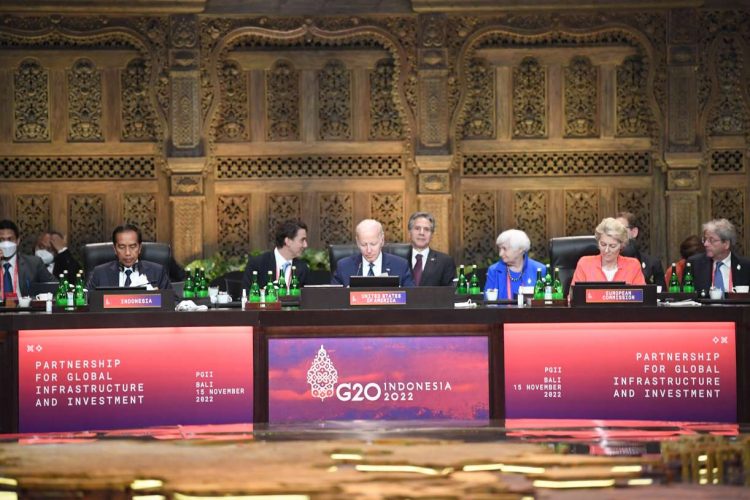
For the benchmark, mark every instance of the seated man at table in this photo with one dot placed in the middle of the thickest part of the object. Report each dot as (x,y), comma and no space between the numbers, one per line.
(128,270)
(429,267)
(18,271)
(291,241)
(372,261)
(719,267)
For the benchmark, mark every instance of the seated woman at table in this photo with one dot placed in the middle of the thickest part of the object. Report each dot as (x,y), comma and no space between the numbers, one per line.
(514,268)
(609,265)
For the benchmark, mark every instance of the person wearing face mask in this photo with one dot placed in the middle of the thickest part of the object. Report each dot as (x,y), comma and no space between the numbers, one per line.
(18,271)
(52,248)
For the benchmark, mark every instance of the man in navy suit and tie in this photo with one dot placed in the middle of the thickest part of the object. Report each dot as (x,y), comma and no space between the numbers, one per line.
(428,267)
(372,261)
(719,266)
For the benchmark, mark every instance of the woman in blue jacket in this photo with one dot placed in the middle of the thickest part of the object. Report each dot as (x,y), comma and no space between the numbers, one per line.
(515,268)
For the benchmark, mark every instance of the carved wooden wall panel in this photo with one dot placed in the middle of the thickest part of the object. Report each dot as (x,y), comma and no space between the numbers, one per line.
(234,225)
(581,99)
(336,216)
(62,168)
(479,121)
(282,102)
(385,118)
(86,222)
(530,210)
(388,208)
(729,203)
(529,100)
(729,115)
(85,102)
(290,167)
(32,218)
(140,209)
(233,116)
(638,202)
(138,115)
(334,102)
(727,161)
(282,207)
(633,113)
(557,164)
(478,227)
(31,102)
(581,212)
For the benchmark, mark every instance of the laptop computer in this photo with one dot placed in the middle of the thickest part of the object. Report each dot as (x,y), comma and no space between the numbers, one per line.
(374,281)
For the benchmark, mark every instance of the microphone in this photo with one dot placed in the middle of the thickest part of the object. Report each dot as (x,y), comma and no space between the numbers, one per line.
(359,268)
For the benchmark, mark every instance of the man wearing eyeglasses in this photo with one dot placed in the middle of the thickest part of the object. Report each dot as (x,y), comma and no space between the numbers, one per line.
(653,272)
(719,267)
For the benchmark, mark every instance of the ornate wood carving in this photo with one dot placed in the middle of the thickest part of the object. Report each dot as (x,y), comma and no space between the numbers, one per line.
(185,114)
(282,207)
(433,118)
(186,185)
(85,221)
(385,119)
(581,99)
(729,203)
(727,161)
(140,209)
(434,183)
(479,122)
(138,115)
(183,31)
(634,117)
(187,228)
(478,227)
(729,115)
(282,102)
(336,218)
(638,202)
(683,179)
(233,116)
(334,102)
(530,213)
(308,166)
(85,102)
(60,168)
(32,217)
(580,163)
(31,102)
(234,225)
(388,208)
(581,212)
(529,100)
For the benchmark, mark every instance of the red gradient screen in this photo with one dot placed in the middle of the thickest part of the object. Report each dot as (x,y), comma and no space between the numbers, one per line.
(112,378)
(646,371)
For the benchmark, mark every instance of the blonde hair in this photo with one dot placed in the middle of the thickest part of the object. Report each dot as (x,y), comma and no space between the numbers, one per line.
(612,228)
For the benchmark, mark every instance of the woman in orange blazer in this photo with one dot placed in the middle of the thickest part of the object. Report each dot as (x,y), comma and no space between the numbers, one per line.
(609,265)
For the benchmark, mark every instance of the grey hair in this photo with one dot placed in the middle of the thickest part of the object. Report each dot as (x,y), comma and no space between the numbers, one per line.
(370,222)
(723,229)
(613,228)
(515,238)
(421,215)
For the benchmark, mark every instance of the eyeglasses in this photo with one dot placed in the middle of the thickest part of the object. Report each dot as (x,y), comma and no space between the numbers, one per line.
(611,246)
(712,241)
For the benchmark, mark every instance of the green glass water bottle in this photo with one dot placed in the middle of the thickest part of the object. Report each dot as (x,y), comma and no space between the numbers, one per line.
(539,286)
(201,290)
(548,284)
(688,283)
(79,295)
(294,288)
(474,282)
(254,289)
(557,290)
(282,283)
(462,287)
(271,295)
(188,291)
(674,281)
(61,294)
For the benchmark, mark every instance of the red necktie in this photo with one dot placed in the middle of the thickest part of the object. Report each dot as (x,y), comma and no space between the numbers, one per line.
(417,271)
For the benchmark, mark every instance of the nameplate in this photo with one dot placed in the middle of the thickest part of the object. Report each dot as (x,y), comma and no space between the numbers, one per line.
(377,298)
(131,301)
(614,296)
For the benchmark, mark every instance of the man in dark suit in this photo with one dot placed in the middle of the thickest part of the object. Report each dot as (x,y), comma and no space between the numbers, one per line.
(18,271)
(428,267)
(52,248)
(128,270)
(372,261)
(290,240)
(719,267)
(652,269)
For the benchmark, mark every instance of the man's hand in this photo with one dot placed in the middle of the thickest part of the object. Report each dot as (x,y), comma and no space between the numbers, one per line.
(58,242)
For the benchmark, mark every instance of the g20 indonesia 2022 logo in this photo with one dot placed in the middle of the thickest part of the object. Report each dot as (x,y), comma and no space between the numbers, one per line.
(323,379)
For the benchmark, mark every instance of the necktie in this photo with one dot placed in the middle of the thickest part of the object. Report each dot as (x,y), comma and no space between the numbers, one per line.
(7,279)
(371,272)
(128,272)
(718,278)
(284,267)
(417,269)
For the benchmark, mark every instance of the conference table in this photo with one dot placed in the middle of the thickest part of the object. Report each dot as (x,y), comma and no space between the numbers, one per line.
(73,371)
